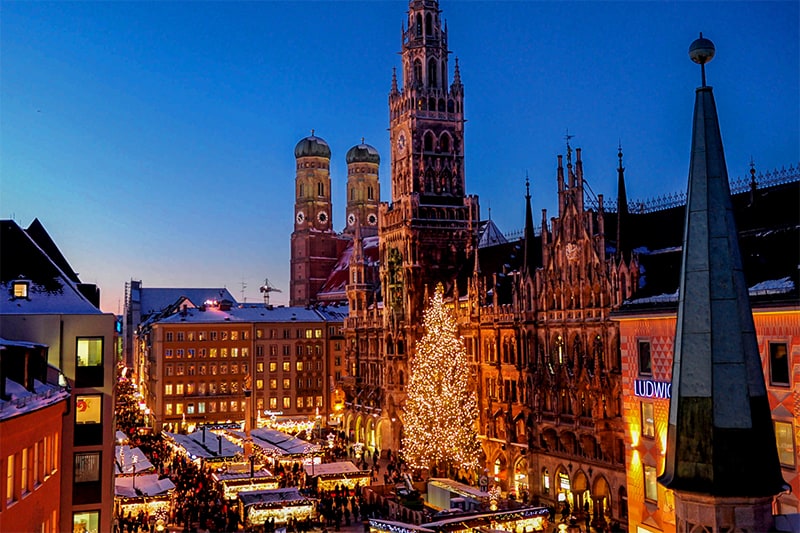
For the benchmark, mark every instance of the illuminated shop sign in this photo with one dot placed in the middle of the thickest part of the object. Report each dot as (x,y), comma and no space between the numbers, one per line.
(647,388)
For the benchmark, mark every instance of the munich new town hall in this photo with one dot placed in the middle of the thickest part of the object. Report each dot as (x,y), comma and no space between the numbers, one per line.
(543,317)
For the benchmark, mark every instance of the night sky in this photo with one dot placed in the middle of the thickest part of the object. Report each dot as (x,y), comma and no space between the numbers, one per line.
(155,140)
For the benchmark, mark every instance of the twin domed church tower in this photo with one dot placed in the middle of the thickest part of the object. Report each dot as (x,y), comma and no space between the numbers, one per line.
(316,246)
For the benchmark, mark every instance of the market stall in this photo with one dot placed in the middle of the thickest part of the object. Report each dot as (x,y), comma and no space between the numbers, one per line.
(519,520)
(205,446)
(144,492)
(277,505)
(234,482)
(343,474)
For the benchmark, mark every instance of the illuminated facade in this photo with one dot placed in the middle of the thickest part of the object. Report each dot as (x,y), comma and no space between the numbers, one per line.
(54,309)
(201,359)
(647,338)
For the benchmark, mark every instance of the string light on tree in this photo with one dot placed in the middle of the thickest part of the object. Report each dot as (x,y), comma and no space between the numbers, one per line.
(440,410)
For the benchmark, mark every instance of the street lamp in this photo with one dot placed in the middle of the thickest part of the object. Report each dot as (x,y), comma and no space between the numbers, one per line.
(133,461)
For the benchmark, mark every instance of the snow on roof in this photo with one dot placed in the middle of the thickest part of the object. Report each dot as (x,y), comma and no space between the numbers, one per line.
(280,442)
(774,286)
(244,313)
(21,401)
(276,496)
(146,484)
(155,299)
(194,446)
(125,457)
(68,301)
(490,234)
(332,469)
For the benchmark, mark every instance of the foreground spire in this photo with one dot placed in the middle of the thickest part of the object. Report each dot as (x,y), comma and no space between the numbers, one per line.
(721,441)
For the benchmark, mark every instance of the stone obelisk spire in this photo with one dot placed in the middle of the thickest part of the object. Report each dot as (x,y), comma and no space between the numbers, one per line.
(722,460)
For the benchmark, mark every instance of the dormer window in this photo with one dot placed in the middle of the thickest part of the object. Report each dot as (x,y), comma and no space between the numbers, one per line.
(19,289)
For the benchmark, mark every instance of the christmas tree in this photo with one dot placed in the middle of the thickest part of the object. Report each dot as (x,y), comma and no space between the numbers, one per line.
(440,410)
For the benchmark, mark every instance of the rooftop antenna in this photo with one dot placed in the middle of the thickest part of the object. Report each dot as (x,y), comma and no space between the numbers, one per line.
(244,286)
(267,288)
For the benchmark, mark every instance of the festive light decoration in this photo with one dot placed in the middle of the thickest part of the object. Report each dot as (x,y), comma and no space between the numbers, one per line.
(440,410)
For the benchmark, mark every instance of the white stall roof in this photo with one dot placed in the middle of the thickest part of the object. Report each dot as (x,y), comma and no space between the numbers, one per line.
(147,484)
(124,460)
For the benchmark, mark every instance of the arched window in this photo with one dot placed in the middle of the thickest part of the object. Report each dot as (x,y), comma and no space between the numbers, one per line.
(401,378)
(352,194)
(444,143)
(432,82)
(320,189)
(545,481)
(417,71)
(441,105)
(300,193)
(419,25)
(428,24)
(369,193)
(428,142)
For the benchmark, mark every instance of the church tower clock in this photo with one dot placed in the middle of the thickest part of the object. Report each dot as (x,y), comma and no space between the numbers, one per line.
(363,189)
(314,243)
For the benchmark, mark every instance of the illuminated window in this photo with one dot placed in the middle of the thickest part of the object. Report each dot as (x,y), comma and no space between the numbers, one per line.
(223,335)
(190,388)
(287,402)
(203,370)
(234,352)
(779,364)
(20,289)
(245,352)
(212,352)
(168,352)
(273,403)
(259,334)
(89,354)
(286,384)
(201,388)
(234,369)
(785,441)
(273,367)
(191,369)
(234,335)
(24,472)
(179,389)
(309,401)
(299,402)
(645,363)
(309,333)
(201,407)
(179,408)
(212,407)
(190,336)
(223,352)
(179,369)
(189,408)
(287,366)
(36,459)
(259,384)
(223,407)
(299,366)
(273,384)
(648,422)
(179,353)
(319,401)
(10,488)
(168,389)
(86,521)
(223,369)
(650,483)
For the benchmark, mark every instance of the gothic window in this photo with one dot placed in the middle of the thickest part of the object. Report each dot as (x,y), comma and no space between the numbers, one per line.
(428,24)
(444,143)
(450,106)
(432,104)
(417,71)
(401,378)
(558,343)
(441,105)
(598,351)
(444,77)
(369,193)
(320,189)
(352,194)
(300,194)
(432,82)
(419,25)
(428,142)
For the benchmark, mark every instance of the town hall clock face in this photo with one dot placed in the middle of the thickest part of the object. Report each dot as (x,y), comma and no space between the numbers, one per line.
(351,219)
(372,219)
(322,217)
(401,142)
(300,217)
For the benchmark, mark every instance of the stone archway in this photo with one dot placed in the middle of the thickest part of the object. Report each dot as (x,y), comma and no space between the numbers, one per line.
(521,480)
(499,471)
(582,495)
(601,502)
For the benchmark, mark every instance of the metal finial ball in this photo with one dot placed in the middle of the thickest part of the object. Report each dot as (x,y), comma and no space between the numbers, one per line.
(701,50)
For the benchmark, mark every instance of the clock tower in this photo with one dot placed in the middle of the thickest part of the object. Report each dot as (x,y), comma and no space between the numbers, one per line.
(363,189)
(429,228)
(314,243)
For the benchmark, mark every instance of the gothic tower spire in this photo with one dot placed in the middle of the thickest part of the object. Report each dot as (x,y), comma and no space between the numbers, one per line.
(622,206)
(721,450)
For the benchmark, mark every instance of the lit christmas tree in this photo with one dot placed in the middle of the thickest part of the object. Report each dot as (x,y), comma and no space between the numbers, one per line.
(440,410)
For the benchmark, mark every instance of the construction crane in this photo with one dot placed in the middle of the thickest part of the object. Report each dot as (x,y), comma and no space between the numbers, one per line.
(267,288)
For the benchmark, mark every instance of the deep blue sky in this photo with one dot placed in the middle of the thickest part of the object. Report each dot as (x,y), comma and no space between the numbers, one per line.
(155,140)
